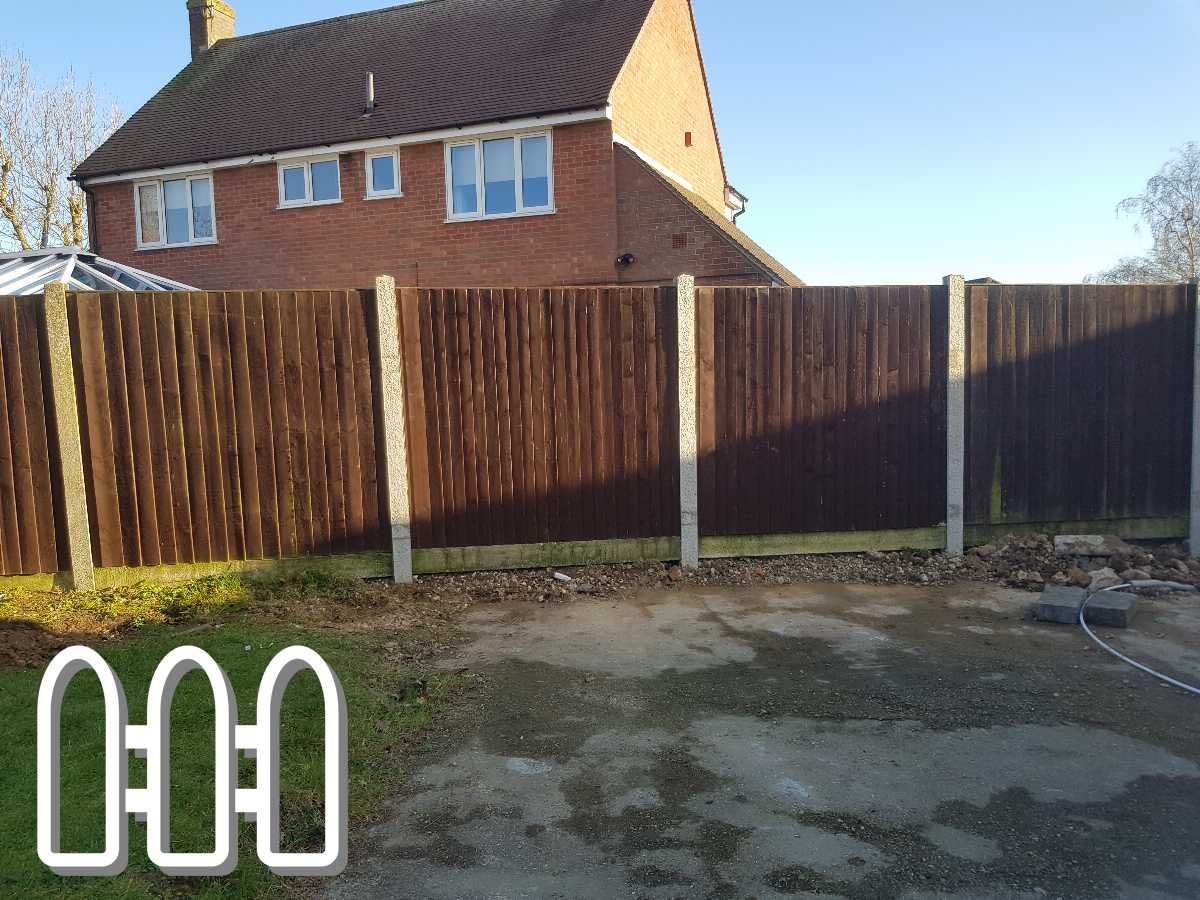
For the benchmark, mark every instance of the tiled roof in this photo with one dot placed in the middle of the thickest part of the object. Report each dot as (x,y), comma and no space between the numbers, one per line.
(437,64)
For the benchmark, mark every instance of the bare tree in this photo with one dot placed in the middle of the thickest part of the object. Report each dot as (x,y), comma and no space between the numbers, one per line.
(46,130)
(1170,210)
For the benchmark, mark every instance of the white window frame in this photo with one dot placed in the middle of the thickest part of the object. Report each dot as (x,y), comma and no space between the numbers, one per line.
(477,143)
(157,183)
(306,164)
(389,153)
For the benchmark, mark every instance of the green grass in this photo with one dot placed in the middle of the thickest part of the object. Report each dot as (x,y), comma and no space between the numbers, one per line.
(387,704)
(148,603)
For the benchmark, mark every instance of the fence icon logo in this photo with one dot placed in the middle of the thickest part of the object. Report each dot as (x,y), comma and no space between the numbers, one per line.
(153,740)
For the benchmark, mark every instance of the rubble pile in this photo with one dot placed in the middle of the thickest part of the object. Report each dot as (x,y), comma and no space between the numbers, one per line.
(1086,561)
(1023,561)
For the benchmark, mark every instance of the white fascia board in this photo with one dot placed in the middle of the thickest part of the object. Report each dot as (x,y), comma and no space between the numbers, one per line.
(422,137)
(652,162)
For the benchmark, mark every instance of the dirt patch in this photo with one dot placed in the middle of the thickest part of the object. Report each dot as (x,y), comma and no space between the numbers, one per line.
(25,644)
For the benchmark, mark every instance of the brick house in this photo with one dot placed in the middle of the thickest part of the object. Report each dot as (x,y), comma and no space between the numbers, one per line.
(445,142)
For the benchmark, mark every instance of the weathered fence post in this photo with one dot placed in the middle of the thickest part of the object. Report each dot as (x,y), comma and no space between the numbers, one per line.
(395,428)
(689,485)
(70,447)
(956,411)
(1194,517)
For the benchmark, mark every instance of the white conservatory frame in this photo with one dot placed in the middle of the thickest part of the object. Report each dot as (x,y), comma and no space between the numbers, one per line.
(29,272)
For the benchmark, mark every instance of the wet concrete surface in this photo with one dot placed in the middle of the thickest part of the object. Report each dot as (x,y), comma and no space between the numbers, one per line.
(803,741)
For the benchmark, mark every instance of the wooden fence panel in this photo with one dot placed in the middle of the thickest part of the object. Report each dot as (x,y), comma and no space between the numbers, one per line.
(28,447)
(541,415)
(1078,402)
(225,426)
(244,425)
(821,409)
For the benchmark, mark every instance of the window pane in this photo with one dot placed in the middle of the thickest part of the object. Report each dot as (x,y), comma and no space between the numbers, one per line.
(383,174)
(148,211)
(535,173)
(325,180)
(293,184)
(462,179)
(202,212)
(86,278)
(499,177)
(176,199)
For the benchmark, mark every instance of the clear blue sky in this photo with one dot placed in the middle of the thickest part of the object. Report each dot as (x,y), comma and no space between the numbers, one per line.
(878,141)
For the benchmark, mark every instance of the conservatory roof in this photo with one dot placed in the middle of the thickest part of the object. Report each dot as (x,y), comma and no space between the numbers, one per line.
(30,271)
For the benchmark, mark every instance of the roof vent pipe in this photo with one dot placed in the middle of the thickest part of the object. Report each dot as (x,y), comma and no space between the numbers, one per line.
(370,92)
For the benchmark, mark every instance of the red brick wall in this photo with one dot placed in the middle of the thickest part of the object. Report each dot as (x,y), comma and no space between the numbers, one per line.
(348,244)
(669,237)
(661,95)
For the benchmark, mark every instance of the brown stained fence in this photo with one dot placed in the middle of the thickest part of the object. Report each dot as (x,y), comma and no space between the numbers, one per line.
(248,425)
(1079,402)
(821,409)
(28,541)
(227,426)
(541,415)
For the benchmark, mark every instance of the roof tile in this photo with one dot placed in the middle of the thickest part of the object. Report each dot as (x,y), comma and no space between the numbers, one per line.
(437,64)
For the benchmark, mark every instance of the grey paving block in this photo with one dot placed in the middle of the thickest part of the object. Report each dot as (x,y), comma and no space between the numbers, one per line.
(1060,604)
(1111,608)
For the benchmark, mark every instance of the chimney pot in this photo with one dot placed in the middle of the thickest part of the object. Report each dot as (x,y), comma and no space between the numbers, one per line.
(370,92)
(209,21)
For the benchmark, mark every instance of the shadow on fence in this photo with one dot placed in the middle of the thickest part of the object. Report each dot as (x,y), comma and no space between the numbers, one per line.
(246,425)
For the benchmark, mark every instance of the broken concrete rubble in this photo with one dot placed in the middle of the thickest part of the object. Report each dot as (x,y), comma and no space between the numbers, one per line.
(1104,578)
(1015,558)
(1090,545)
(1078,577)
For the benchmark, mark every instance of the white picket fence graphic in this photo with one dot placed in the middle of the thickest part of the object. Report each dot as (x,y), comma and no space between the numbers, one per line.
(153,740)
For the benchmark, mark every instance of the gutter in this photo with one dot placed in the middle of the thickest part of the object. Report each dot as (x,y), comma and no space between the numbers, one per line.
(90,207)
(742,199)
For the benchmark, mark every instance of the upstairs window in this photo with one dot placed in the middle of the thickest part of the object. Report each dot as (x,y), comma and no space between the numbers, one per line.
(498,177)
(310,182)
(383,174)
(175,212)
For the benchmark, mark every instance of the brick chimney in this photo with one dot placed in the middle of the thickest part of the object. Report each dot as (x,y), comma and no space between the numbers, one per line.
(210,21)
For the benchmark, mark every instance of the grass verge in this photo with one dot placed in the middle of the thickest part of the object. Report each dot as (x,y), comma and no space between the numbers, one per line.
(242,624)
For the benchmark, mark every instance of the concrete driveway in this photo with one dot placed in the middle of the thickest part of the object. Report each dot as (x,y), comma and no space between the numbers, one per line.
(803,741)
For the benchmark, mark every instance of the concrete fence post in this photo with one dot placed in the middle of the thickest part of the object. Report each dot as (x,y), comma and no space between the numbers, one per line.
(1194,513)
(70,446)
(689,483)
(956,411)
(395,427)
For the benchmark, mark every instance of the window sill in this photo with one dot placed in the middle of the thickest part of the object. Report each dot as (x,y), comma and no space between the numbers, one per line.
(383,196)
(307,205)
(141,249)
(453,220)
